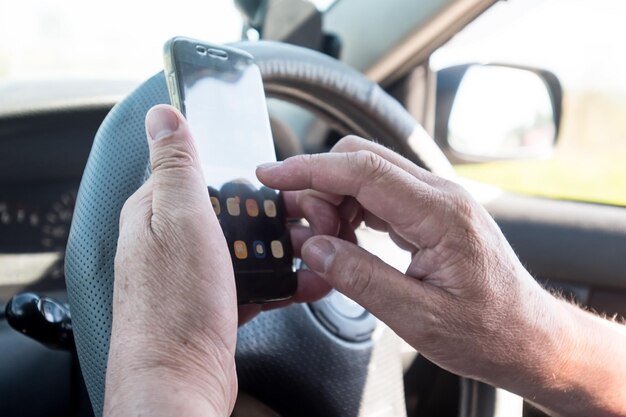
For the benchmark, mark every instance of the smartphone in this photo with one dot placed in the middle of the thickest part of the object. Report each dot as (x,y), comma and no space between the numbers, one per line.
(220,91)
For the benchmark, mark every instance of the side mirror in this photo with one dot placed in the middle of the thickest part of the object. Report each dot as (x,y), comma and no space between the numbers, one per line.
(496,112)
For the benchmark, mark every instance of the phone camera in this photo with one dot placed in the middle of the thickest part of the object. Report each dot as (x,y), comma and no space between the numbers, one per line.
(201,49)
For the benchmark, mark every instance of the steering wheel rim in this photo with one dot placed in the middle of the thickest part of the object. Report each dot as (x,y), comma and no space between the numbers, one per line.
(117,166)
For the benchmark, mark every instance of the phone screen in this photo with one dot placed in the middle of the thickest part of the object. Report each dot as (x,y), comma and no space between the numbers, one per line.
(221,95)
(227,110)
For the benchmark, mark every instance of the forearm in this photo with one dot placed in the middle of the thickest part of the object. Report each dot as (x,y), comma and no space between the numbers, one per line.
(579,368)
(594,373)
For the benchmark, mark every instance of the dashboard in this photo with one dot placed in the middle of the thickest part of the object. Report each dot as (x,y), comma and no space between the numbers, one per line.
(42,157)
(37,218)
(46,132)
(34,226)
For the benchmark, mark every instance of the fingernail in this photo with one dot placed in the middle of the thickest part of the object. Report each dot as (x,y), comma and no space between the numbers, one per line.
(269,165)
(161,122)
(318,254)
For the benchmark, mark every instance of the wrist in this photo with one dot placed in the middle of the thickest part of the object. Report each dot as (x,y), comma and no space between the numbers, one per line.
(547,343)
(160,394)
(169,379)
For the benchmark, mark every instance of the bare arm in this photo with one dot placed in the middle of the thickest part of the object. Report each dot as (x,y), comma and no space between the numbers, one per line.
(589,374)
(465,302)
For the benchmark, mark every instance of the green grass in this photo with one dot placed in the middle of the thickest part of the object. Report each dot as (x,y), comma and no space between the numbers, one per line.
(597,178)
(589,162)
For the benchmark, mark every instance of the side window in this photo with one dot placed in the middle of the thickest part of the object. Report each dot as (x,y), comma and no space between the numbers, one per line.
(581,42)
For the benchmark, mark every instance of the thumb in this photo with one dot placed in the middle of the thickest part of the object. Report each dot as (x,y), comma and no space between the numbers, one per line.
(177,179)
(380,288)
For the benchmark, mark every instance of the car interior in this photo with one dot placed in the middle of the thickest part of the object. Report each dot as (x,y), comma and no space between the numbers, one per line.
(73,150)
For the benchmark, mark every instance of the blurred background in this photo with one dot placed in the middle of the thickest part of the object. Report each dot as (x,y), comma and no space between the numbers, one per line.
(581,41)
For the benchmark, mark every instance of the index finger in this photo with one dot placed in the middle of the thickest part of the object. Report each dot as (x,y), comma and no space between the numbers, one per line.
(355,143)
(381,187)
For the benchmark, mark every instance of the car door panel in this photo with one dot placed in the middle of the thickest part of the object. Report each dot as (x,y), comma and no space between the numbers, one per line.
(578,244)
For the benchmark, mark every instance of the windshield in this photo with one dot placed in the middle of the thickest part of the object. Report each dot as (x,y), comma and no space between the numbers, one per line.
(116,39)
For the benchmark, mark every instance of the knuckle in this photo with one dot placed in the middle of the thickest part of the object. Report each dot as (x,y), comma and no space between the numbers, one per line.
(370,165)
(461,203)
(433,205)
(322,218)
(308,162)
(360,280)
(464,207)
(173,158)
(350,142)
(429,198)
(453,188)
(306,158)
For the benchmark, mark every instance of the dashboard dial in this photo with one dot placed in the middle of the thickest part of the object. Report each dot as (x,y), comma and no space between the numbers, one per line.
(19,221)
(36,218)
(34,227)
(56,222)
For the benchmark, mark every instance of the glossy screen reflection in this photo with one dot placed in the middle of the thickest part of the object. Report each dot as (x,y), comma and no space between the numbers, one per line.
(232,131)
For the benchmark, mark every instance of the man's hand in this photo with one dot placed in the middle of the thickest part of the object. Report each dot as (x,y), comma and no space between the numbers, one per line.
(465,302)
(464,295)
(174,303)
(175,311)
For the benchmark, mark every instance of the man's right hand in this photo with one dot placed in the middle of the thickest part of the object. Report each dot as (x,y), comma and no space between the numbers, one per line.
(465,302)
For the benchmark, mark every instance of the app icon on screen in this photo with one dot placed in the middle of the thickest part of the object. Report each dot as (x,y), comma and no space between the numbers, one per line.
(252,207)
(259,249)
(277,249)
(232,205)
(270,208)
(241,251)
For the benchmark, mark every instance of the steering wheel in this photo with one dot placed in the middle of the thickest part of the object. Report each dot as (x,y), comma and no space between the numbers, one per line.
(303,360)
